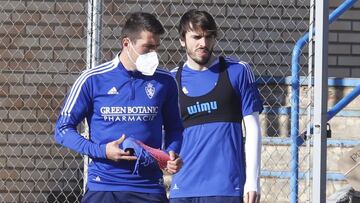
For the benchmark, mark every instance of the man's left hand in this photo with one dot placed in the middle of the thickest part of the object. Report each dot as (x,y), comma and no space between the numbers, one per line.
(252,197)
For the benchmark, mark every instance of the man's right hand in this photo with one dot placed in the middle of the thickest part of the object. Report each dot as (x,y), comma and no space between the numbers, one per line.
(113,151)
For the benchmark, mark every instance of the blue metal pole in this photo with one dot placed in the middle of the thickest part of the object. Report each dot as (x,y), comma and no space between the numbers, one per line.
(294,132)
(295,84)
(341,9)
(343,102)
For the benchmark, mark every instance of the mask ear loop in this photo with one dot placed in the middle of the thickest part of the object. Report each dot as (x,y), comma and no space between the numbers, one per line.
(128,52)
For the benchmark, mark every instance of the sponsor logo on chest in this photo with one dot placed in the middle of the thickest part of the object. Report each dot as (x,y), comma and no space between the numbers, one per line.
(128,113)
(202,107)
(147,112)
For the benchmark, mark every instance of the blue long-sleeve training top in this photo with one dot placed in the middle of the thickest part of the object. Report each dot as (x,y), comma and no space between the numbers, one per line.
(115,101)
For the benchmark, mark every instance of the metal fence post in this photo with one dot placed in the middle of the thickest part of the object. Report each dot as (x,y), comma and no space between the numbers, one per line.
(92,58)
(320,101)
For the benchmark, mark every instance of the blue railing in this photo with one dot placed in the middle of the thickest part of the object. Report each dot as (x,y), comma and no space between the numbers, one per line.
(343,102)
(277,141)
(302,175)
(295,84)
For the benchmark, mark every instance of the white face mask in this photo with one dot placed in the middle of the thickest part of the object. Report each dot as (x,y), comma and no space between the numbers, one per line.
(145,63)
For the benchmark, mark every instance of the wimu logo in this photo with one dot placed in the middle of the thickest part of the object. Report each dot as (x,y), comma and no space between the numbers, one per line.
(202,107)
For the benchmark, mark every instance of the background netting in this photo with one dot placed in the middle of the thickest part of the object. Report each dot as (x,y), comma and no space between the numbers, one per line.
(43,50)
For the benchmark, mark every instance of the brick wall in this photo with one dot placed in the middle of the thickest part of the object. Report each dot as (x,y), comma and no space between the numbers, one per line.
(344,44)
(260,32)
(43,50)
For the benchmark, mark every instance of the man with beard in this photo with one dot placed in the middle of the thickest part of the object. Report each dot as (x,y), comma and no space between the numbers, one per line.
(215,94)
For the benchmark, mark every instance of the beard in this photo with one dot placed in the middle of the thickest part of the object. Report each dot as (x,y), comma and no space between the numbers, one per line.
(201,60)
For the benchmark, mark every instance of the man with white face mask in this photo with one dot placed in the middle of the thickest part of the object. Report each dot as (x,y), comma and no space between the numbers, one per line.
(126,100)
(145,63)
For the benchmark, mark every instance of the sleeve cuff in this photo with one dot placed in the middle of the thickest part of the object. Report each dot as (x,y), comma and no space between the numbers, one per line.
(103,151)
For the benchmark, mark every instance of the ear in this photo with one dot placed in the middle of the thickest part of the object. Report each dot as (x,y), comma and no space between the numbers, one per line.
(182,42)
(125,42)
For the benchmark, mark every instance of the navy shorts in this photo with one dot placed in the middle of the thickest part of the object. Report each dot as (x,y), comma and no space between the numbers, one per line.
(123,197)
(211,199)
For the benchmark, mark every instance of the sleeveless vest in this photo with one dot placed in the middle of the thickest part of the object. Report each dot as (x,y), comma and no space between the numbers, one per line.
(221,104)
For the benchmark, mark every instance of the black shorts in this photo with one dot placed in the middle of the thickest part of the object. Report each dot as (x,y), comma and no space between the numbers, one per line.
(123,197)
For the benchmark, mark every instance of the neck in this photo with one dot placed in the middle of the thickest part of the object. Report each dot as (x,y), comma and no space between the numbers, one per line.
(200,67)
(126,62)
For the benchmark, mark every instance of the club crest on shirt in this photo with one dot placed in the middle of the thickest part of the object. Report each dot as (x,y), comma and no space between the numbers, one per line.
(150,90)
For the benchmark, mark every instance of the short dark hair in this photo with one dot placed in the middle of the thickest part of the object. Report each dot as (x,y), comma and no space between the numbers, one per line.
(140,21)
(197,21)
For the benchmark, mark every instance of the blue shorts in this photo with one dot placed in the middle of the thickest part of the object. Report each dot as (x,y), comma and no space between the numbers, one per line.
(123,197)
(211,199)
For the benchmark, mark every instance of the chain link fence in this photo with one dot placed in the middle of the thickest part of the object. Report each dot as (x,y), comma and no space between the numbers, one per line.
(42,51)
(43,48)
